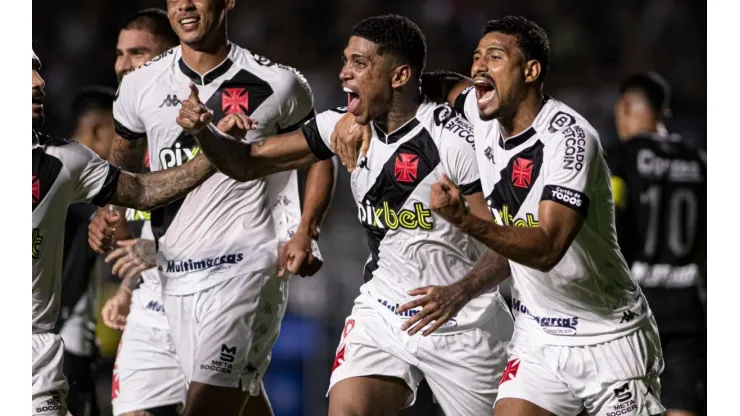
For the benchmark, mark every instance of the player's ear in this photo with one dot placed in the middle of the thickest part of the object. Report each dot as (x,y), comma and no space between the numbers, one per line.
(401,75)
(532,70)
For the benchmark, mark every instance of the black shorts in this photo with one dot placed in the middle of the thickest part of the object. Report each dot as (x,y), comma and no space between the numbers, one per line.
(683,382)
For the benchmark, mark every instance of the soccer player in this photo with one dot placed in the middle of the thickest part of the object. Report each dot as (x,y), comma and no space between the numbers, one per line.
(659,183)
(584,338)
(93,114)
(147,377)
(218,248)
(65,172)
(415,143)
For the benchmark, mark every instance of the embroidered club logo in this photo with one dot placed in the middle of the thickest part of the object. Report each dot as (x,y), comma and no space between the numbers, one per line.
(405,168)
(521,175)
(234,100)
(512,367)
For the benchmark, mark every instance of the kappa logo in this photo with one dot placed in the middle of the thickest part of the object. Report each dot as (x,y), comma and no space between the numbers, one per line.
(521,176)
(35,189)
(489,153)
(363,163)
(628,316)
(227,354)
(170,101)
(234,100)
(406,167)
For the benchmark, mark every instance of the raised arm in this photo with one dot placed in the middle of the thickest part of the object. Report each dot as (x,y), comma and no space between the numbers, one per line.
(444,86)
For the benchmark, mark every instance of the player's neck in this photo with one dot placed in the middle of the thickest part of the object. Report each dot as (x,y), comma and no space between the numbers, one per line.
(524,115)
(403,108)
(207,57)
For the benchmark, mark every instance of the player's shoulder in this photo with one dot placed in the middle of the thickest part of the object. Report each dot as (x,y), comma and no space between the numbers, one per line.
(561,123)
(279,75)
(49,141)
(140,78)
(448,127)
(153,67)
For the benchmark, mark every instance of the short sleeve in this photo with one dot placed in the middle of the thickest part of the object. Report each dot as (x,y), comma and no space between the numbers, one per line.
(465,104)
(317,132)
(96,178)
(297,104)
(126,117)
(458,155)
(572,164)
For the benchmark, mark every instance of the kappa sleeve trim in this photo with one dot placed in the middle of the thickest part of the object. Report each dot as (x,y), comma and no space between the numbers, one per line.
(127,133)
(108,189)
(315,142)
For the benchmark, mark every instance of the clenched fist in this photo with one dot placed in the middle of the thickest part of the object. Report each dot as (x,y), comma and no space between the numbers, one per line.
(448,202)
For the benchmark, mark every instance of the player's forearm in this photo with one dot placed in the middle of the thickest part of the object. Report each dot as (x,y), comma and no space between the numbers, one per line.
(319,189)
(129,284)
(128,154)
(443,86)
(529,246)
(248,161)
(147,191)
(489,271)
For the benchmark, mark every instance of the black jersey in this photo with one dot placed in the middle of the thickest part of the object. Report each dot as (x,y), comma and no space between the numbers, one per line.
(660,190)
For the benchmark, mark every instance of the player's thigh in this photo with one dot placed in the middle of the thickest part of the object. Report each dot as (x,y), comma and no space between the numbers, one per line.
(372,359)
(205,400)
(147,374)
(463,369)
(368,396)
(527,387)
(623,377)
(48,385)
(683,380)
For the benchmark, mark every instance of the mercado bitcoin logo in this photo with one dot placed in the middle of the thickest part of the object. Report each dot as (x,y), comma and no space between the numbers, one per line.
(388,218)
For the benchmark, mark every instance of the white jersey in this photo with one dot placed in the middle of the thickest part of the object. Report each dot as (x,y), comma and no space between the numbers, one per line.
(64,172)
(410,246)
(588,297)
(223,228)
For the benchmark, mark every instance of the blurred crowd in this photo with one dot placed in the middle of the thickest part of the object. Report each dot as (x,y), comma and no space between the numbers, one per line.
(595,44)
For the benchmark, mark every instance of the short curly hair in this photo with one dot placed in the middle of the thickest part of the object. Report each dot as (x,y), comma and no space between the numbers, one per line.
(532,39)
(397,36)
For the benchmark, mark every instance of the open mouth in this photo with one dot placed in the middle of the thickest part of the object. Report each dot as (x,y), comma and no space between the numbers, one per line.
(189,23)
(37,102)
(485,91)
(353,100)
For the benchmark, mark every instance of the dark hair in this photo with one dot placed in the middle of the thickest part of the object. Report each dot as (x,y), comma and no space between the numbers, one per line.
(653,86)
(154,21)
(531,37)
(91,99)
(395,35)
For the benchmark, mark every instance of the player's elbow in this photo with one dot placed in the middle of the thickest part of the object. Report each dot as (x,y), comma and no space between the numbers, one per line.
(549,259)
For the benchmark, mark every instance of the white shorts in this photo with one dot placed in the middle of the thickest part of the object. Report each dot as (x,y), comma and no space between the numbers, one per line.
(224,334)
(147,372)
(78,330)
(49,387)
(462,369)
(615,378)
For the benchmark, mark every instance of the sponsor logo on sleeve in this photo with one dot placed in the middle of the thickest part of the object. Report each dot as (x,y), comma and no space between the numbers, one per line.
(568,197)
(560,121)
(575,148)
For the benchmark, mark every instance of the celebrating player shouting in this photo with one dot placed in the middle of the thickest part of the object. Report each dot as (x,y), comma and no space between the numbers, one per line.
(414,143)
(65,172)
(585,337)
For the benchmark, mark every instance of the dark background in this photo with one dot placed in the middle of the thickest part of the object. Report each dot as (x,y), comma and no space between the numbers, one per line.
(594,45)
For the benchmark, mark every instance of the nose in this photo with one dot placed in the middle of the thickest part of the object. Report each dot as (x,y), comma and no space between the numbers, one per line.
(186,5)
(345,73)
(479,67)
(123,64)
(37,82)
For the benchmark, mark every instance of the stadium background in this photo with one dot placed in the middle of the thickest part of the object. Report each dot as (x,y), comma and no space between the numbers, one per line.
(594,45)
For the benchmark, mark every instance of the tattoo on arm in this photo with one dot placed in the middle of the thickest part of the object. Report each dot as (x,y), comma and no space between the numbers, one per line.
(150,190)
(131,282)
(490,270)
(146,251)
(129,154)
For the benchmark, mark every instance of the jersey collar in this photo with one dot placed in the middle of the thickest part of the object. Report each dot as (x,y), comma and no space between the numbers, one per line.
(398,134)
(209,76)
(522,137)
